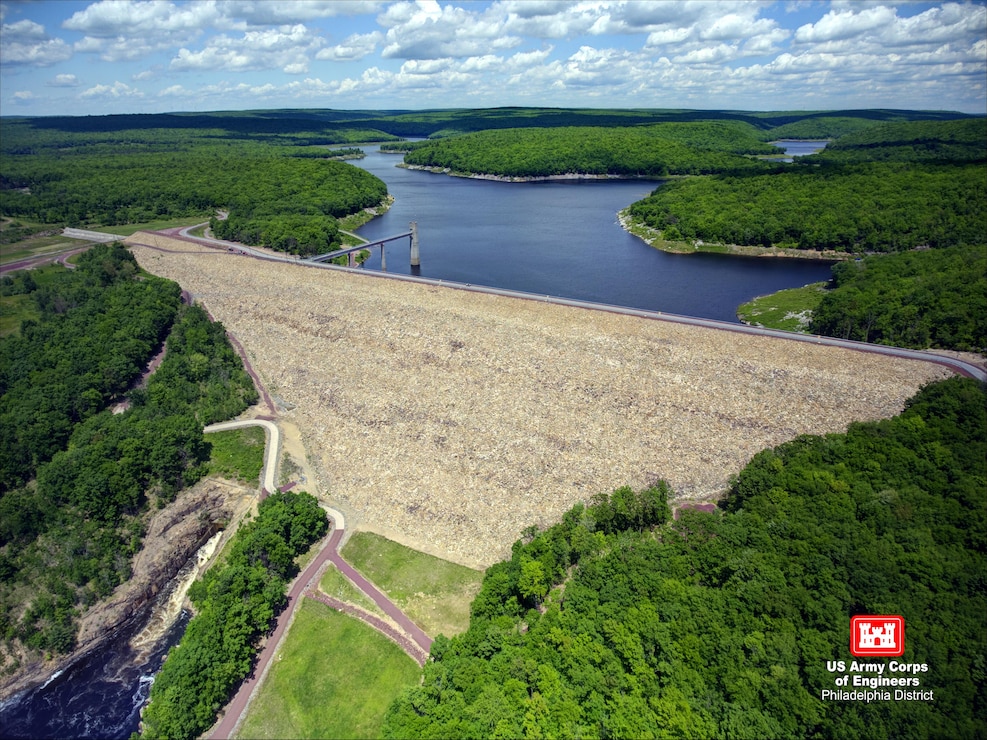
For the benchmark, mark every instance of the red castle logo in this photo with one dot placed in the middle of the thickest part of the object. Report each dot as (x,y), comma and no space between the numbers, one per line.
(877,635)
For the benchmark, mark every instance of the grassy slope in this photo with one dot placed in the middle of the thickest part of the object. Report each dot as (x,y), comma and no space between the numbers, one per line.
(790,310)
(334,677)
(435,593)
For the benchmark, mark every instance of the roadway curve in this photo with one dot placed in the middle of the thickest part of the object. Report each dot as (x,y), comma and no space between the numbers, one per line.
(410,637)
(273,451)
(955,365)
(414,641)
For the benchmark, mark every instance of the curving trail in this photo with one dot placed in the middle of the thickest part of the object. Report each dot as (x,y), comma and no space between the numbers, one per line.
(273,450)
(414,641)
(410,637)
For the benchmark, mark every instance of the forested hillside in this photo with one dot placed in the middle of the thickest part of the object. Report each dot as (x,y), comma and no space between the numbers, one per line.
(647,151)
(954,142)
(920,299)
(329,126)
(141,175)
(856,209)
(618,623)
(888,188)
(99,326)
(67,536)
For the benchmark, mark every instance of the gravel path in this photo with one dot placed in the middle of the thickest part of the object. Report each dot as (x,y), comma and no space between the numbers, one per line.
(272,450)
(450,421)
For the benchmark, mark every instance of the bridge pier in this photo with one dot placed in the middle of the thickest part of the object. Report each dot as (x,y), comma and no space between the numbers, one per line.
(416,259)
(383,259)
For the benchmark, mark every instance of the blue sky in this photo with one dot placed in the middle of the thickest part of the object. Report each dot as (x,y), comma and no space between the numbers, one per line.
(61,57)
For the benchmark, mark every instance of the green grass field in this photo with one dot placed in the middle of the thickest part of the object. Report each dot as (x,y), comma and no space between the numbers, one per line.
(237,454)
(333,678)
(435,593)
(14,309)
(37,246)
(128,229)
(334,584)
(790,310)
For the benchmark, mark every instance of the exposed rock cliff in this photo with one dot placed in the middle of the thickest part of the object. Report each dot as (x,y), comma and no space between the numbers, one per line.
(174,534)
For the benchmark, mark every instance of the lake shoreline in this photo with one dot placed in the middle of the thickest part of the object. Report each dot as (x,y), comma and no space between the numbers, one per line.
(653,238)
(569,176)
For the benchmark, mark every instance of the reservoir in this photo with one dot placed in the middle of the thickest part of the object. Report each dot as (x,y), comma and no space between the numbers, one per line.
(549,238)
(561,238)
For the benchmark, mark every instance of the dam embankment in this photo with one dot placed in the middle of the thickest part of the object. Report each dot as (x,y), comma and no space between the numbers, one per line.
(450,420)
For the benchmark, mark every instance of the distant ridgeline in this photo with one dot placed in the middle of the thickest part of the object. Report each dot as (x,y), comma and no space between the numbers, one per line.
(259,167)
(75,478)
(618,622)
(888,182)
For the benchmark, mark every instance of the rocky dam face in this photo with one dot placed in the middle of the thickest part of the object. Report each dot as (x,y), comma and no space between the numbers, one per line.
(450,421)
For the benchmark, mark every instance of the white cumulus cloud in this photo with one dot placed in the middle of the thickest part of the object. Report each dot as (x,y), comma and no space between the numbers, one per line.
(116,90)
(64,80)
(26,42)
(241,14)
(427,30)
(285,47)
(354,48)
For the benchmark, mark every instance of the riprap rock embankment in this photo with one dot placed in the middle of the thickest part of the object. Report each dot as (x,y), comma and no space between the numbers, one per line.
(451,420)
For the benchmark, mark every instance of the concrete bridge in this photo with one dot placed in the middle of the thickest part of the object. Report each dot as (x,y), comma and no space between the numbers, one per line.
(412,235)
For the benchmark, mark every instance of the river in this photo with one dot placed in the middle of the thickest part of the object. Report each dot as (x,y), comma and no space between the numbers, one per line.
(562,238)
(550,238)
(101,694)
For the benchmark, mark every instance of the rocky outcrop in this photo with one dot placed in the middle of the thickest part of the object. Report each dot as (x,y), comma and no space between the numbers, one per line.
(174,535)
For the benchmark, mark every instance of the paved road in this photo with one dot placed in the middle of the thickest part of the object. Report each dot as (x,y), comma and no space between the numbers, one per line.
(306,583)
(273,451)
(386,605)
(955,365)
(234,711)
(42,259)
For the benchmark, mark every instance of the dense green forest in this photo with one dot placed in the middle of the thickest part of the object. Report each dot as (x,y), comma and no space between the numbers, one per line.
(270,188)
(619,623)
(99,327)
(920,299)
(953,142)
(68,535)
(659,150)
(327,126)
(236,603)
(821,127)
(881,207)
(892,187)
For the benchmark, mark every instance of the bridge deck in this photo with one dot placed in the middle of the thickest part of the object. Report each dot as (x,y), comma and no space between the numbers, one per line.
(350,250)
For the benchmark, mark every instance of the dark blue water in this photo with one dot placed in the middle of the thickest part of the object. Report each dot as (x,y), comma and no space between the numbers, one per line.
(562,239)
(99,696)
(800,148)
(558,239)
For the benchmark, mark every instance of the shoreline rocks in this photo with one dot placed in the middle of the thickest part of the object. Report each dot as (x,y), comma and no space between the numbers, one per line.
(174,535)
